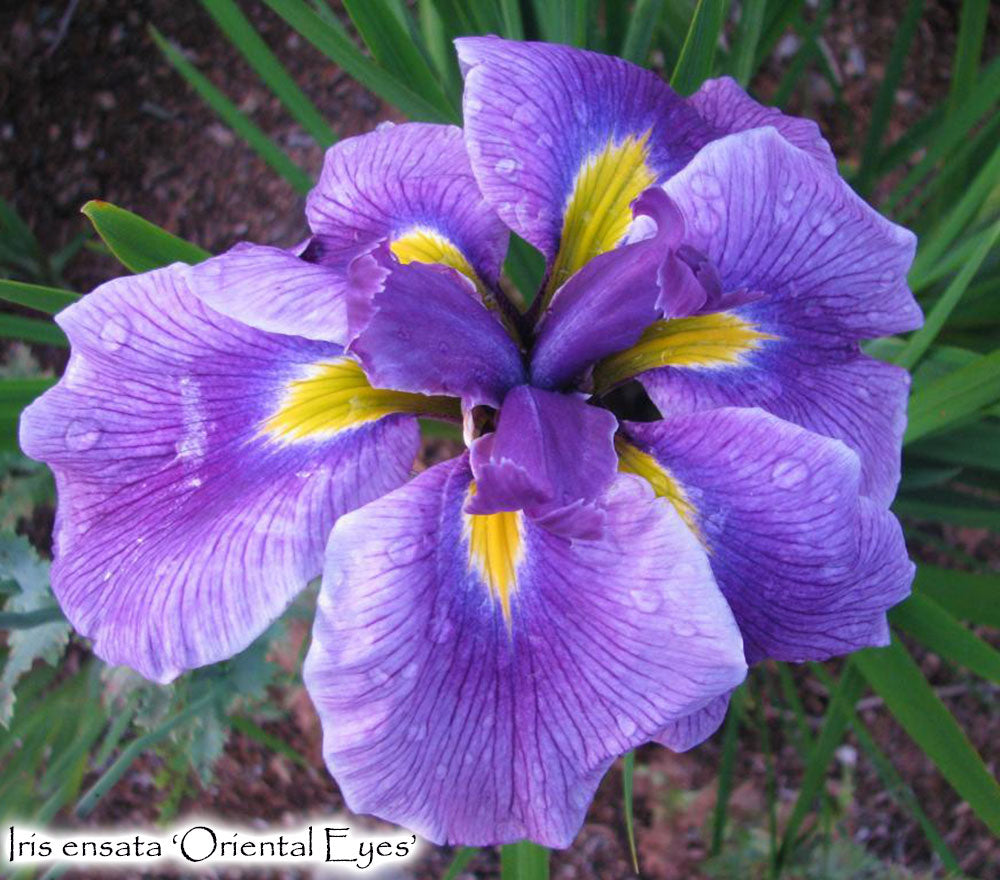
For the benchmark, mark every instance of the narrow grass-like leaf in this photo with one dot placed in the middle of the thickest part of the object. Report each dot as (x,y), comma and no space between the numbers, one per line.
(895,786)
(395,49)
(921,340)
(138,244)
(950,262)
(337,46)
(975,446)
(808,51)
(745,46)
(512,21)
(941,135)
(727,766)
(932,626)
(698,52)
(30,619)
(955,508)
(249,728)
(239,122)
(838,713)
(971,597)
(971,32)
(953,397)
(463,855)
(437,39)
(35,296)
(564,21)
(899,681)
(86,804)
(628,774)
(31,330)
(642,24)
(244,36)
(886,98)
(524,861)
(16,229)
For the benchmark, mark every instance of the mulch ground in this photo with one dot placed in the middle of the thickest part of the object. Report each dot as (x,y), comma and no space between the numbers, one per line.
(89,109)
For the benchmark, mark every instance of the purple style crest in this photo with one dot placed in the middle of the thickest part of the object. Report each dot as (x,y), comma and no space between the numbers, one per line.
(491,635)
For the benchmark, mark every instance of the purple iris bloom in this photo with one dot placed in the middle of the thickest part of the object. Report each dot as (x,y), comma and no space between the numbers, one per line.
(493,633)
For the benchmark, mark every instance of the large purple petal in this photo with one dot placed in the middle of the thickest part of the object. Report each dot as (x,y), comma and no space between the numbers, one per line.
(729,109)
(422,328)
(183,527)
(441,715)
(837,392)
(552,455)
(406,179)
(536,113)
(775,221)
(275,290)
(808,565)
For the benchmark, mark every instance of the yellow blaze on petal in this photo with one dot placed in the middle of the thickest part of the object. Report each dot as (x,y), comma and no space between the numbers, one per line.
(721,339)
(421,245)
(599,209)
(335,396)
(632,460)
(496,549)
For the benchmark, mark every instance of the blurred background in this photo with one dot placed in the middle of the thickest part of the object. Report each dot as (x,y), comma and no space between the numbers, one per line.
(883,768)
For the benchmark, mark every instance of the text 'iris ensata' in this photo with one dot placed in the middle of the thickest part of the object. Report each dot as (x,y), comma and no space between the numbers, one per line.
(582,579)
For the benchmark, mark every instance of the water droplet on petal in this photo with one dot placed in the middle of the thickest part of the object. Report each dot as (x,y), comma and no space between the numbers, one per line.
(379,677)
(82,434)
(683,628)
(507,167)
(440,771)
(115,332)
(788,193)
(410,670)
(626,725)
(404,550)
(441,629)
(788,473)
(646,601)
(524,114)
(826,227)
(544,140)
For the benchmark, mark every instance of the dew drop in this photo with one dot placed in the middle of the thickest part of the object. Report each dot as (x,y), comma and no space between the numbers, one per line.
(410,670)
(788,473)
(626,725)
(115,332)
(82,434)
(683,628)
(417,731)
(440,771)
(826,227)
(404,550)
(379,677)
(441,629)
(524,114)
(788,193)
(385,126)
(544,140)
(507,167)
(646,601)
(684,571)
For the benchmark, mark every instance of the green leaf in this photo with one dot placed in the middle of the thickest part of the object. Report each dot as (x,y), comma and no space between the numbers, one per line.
(835,721)
(244,36)
(642,24)
(727,766)
(34,296)
(45,639)
(921,340)
(945,505)
(337,46)
(628,772)
(745,46)
(564,21)
(238,121)
(926,621)
(894,784)
(524,861)
(971,597)
(463,855)
(971,31)
(975,446)
(31,330)
(886,98)
(15,395)
(900,683)
(698,52)
(138,244)
(951,398)
(395,49)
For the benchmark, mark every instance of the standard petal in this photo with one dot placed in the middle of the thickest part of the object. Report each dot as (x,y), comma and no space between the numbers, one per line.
(410,184)
(605,307)
(562,141)
(422,328)
(808,565)
(198,474)
(729,109)
(552,455)
(441,715)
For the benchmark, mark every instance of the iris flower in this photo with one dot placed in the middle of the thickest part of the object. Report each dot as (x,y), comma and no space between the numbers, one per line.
(584,578)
